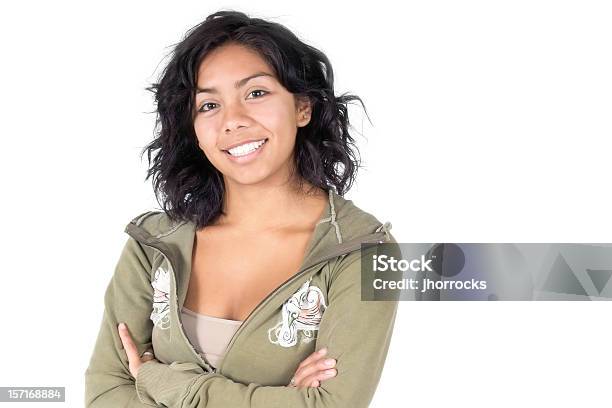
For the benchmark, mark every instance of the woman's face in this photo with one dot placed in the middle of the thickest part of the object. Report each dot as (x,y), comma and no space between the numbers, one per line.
(238,101)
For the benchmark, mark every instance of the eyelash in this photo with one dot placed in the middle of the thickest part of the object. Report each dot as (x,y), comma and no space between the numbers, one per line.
(212,103)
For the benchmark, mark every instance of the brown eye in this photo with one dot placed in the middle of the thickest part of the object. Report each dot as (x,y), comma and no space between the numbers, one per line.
(258,90)
(203,105)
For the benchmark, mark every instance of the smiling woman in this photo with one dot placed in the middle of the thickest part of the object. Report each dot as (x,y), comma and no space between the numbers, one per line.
(236,79)
(245,290)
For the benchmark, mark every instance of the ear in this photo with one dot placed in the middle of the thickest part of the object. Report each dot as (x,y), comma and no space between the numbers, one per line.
(303,111)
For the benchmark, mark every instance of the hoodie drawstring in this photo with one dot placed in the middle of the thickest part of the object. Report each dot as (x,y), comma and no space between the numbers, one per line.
(385,227)
(333,216)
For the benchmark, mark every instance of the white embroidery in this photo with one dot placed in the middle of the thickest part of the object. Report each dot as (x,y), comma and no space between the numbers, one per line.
(301,312)
(161,299)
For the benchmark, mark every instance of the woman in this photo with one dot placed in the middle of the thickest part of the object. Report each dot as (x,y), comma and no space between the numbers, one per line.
(245,291)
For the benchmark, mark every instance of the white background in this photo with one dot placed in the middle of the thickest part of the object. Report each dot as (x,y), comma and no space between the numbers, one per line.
(491,123)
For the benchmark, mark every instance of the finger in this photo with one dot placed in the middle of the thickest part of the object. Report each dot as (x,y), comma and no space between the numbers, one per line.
(128,343)
(313,357)
(320,365)
(315,379)
(146,356)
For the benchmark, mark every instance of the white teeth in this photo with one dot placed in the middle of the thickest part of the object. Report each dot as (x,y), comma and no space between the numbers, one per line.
(246,148)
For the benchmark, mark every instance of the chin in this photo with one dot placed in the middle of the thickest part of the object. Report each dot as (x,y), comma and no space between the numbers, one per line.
(248,177)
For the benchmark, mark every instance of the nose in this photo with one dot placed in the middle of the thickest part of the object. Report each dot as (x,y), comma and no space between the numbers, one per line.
(234,117)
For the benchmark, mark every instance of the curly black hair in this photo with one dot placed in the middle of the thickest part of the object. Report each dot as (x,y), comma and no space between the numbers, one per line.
(186,184)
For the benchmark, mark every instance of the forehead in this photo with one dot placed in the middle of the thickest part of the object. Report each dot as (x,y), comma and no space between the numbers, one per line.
(230,61)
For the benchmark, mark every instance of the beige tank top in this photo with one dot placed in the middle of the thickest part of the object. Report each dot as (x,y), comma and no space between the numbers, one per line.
(209,335)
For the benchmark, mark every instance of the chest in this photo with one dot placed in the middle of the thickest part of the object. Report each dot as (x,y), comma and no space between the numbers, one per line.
(231,274)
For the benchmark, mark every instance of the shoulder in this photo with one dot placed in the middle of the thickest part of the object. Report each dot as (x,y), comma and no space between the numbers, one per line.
(155,223)
(355,221)
(357,224)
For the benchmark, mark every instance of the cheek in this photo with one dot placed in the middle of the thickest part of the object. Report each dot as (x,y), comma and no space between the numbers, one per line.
(277,118)
(206,137)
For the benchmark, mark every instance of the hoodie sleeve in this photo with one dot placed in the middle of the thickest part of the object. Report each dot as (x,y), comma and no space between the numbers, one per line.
(108,381)
(357,334)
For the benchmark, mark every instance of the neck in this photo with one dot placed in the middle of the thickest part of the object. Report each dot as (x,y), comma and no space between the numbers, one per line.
(258,208)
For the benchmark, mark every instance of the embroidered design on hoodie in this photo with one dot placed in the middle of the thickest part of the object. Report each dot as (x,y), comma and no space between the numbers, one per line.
(161,299)
(302,312)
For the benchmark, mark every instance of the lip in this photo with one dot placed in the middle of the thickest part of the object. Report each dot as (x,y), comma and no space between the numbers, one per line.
(243,142)
(249,157)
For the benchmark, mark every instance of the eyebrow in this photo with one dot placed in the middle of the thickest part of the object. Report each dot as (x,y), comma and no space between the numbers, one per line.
(238,84)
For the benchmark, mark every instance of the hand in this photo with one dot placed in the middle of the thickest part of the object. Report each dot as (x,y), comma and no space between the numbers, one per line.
(313,370)
(132,352)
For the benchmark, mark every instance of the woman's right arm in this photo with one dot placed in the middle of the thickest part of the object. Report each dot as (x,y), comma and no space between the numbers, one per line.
(108,382)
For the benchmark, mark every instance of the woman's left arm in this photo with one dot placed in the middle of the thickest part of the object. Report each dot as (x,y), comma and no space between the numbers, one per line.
(356,333)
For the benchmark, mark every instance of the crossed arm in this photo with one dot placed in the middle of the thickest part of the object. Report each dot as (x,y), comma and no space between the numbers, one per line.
(356,333)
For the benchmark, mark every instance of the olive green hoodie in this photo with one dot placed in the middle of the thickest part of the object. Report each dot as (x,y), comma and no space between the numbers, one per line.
(147,292)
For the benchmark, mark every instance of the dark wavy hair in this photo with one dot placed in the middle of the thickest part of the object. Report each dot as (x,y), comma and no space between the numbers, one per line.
(186,184)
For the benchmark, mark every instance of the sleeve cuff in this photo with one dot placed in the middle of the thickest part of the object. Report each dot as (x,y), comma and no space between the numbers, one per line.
(159,383)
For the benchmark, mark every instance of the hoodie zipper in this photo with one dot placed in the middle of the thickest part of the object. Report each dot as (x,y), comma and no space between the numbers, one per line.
(200,358)
(375,237)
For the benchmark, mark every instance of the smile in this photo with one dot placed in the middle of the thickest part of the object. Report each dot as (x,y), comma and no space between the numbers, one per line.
(246,148)
(246,152)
